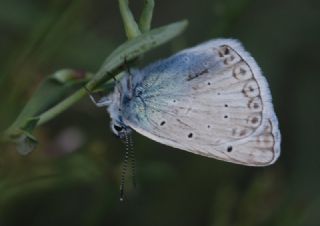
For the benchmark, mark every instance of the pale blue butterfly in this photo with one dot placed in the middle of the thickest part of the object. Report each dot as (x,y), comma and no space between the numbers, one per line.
(210,100)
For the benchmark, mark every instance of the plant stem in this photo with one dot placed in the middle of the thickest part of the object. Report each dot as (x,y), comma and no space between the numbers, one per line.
(146,15)
(111,67)
(130,25)
(62,106)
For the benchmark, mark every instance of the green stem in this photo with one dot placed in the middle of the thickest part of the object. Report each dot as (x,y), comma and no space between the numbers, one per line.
(69,101)
(62,106)
(21,130)
(146,16)
(130,25)
(112,66)
(132,30)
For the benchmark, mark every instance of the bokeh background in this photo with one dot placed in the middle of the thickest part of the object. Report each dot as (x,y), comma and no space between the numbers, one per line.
(72,178)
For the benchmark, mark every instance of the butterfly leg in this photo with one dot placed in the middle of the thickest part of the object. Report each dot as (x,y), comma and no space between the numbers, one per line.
(129,78)
(104,101)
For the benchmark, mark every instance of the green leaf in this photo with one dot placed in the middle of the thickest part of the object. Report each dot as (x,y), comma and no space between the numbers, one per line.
(49,99)
(25,143)
(135,47)
(69,76)
(128,51)
(146,16)
(22,137)
(130,25)
(51,91)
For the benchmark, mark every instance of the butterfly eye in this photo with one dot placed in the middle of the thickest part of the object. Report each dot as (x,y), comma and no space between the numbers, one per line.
(117,128)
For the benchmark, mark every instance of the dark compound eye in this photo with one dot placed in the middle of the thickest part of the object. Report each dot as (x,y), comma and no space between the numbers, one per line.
(117,128)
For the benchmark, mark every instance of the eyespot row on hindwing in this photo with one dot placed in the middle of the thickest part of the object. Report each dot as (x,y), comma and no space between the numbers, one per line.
(228,55)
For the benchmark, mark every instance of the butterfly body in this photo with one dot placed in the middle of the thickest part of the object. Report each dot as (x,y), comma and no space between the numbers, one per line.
(211,100)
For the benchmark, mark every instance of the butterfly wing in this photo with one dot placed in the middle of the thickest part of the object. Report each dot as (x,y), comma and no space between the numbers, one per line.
(210,100)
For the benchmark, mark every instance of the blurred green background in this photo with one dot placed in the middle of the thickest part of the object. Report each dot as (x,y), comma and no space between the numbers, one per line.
(72,178)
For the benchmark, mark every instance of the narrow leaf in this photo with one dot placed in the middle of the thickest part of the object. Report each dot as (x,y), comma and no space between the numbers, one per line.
(134,48)
(50,92)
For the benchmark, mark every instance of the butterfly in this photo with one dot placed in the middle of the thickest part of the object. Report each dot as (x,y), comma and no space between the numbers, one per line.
(211,100)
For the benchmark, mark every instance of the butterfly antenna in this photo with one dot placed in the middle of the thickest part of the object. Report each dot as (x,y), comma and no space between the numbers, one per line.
(124,167)
(133,162)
